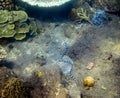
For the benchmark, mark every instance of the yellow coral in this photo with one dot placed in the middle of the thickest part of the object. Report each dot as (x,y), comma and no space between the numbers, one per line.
(88,82)
(39,74)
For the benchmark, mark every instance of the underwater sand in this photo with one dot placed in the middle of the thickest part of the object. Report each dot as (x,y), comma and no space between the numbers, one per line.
(87,43)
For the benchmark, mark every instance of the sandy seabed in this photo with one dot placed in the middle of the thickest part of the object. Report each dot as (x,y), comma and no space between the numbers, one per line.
(99,45)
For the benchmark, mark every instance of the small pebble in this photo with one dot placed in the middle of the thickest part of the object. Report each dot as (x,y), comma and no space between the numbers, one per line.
(109,57)
(90,66)
(27,69)
(103,87)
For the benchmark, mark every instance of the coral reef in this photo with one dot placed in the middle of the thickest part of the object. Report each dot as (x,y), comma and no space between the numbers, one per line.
(14,88)
(107,5)
(45,81)
(5,74)
(3,53)
(82,13)
(46,3)
(96,17)
(15,24)
(79,14)
(11,86)
(7,4)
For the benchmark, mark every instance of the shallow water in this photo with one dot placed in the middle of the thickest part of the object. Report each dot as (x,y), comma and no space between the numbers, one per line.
(62,53)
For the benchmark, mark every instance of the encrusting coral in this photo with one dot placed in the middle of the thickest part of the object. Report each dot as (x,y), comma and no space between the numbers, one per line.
(11,86)
(15,24)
